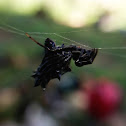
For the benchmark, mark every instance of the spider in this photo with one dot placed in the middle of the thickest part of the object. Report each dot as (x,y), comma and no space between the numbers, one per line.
(56,61)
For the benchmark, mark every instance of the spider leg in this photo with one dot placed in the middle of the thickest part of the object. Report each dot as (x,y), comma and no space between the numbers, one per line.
(68,58)
(94,54)
(86,59)
(57,75)
(69,48)
(82,63)
(36,41)
(62,46)
(67,67)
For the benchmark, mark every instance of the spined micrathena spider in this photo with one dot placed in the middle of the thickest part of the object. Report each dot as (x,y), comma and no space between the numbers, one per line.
(56,61)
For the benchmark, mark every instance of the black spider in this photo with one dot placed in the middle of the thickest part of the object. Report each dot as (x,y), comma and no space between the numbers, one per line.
(56,61)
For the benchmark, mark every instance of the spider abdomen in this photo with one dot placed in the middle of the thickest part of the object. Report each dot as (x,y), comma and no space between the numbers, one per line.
(53,66)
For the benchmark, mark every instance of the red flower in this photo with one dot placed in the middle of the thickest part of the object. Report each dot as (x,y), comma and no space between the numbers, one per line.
(104,97)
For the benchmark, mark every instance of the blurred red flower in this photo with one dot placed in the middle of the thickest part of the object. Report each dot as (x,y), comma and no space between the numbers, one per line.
(103,97)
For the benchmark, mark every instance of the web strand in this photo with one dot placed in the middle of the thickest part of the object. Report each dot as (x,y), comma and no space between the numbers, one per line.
(21,32)
(36,34)
(14,28)
(11,27)
(112,48)
(71,40)
(11,31)
(62,32)
(108,53)
(56,34)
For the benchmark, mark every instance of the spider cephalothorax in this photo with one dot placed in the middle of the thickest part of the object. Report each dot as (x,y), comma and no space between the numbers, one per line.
(57,59)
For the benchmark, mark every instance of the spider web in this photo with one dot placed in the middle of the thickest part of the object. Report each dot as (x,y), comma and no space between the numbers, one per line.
(63,39)
(110,54)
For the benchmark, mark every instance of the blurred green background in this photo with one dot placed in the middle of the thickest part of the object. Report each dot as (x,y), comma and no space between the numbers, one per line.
(97,23)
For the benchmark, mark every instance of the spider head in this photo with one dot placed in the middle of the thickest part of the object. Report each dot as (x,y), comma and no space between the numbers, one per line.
(50,44)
